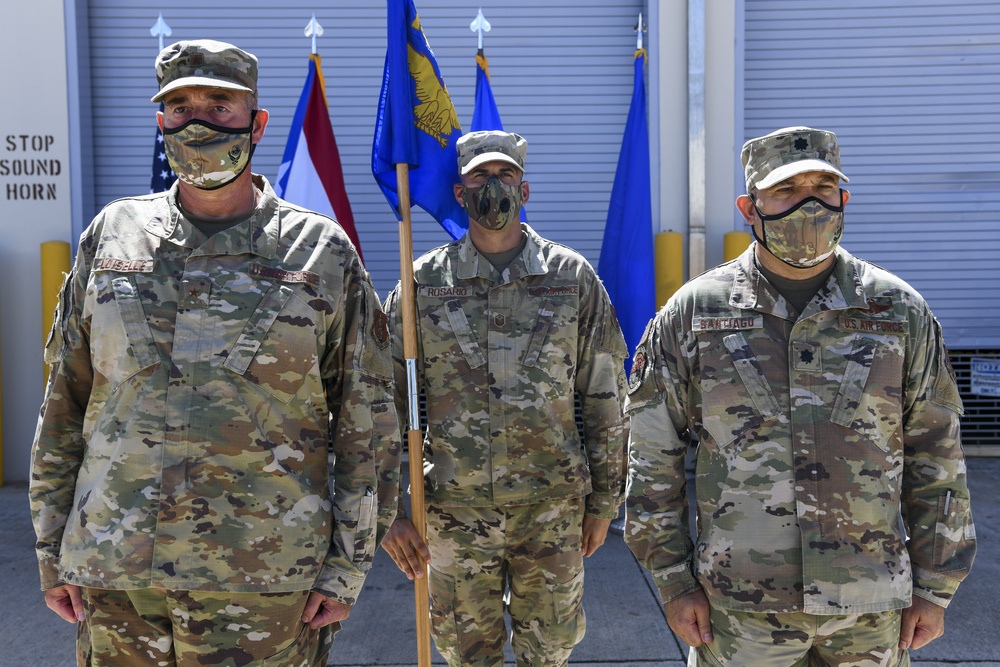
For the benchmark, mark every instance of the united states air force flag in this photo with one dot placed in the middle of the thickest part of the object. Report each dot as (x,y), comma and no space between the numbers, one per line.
(626,263)
(486,115)
(416,124)
(310,174)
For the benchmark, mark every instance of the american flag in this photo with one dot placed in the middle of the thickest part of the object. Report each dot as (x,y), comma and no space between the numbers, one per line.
(163,177)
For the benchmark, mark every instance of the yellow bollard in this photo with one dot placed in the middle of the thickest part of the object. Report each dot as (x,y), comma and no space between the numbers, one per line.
(669,265)
(733,245)
(55,266)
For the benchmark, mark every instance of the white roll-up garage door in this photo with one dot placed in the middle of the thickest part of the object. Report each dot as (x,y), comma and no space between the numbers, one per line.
(561,72)
(912,88)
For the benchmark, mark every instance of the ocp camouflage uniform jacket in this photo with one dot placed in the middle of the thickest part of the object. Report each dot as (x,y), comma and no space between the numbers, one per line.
(823,442)
(219,412)
(500,358)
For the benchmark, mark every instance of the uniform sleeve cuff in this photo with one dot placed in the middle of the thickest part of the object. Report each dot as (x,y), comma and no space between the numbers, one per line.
(674,582)
(603,505)
(339,586)
(48,571)
(933,586)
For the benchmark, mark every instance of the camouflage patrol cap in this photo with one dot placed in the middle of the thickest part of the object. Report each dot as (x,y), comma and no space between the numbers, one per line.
(475,148)
(789,151)
(205,62)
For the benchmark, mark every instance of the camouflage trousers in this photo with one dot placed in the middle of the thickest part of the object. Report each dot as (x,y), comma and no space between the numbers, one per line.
(528,557)
(801,640)
(155,627)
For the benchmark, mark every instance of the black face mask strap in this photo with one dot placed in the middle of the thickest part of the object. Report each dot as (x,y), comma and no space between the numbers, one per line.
(779,216)
(213,126)
(763,231)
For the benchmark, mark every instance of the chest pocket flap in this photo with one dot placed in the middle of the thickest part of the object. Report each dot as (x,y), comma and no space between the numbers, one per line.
(752,375)
(257,327)
(463,333)
(539,332)
(133,317)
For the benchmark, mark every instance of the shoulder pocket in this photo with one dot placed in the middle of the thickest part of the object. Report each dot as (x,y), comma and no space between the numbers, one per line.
(944,391)
(56,341)
(375,359)
(644,386)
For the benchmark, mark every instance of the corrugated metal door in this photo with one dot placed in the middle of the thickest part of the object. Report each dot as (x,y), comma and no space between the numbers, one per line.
(912,89)
(561,72)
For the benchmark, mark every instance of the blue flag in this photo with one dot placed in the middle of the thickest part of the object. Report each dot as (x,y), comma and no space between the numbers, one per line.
(417,124)
(162,175)
(626,264)
(485,115)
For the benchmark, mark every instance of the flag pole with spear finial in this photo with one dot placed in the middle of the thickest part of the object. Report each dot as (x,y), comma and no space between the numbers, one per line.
(414,438)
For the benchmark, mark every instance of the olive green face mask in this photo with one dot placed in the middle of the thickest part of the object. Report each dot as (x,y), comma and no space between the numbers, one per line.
(208,156)
(804,235)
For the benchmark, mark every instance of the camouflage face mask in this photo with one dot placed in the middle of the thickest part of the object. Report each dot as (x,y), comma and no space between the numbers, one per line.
(208,156)
(494,205)
(804,235)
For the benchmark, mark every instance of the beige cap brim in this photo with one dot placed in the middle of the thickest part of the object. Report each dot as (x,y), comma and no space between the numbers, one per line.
(203,81)
(793,168)
(490,157)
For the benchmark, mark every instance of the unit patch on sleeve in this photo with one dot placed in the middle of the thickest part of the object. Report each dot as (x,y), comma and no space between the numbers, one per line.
(380,328)
(639,364)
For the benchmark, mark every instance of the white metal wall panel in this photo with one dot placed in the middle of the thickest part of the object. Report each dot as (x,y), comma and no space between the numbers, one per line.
(912,88)
(561,72)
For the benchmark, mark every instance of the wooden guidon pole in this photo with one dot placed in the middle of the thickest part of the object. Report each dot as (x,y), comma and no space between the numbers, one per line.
(414,439)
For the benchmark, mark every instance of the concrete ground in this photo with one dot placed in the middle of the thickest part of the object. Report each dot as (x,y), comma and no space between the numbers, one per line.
(625,623)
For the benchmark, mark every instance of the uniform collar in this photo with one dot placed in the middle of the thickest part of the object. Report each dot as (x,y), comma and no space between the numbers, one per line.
(257,236)
(472,263)
(843,289)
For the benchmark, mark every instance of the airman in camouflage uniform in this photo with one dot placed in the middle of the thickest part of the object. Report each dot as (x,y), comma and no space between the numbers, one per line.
(511,326)
(830,483)
(217,454)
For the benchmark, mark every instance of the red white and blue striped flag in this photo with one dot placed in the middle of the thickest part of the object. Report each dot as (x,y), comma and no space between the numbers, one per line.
(310,174)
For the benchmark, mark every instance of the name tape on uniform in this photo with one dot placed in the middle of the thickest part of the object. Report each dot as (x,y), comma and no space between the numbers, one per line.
(444,291)
(124,265)
(274,273)
(740,323)
(871,326)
